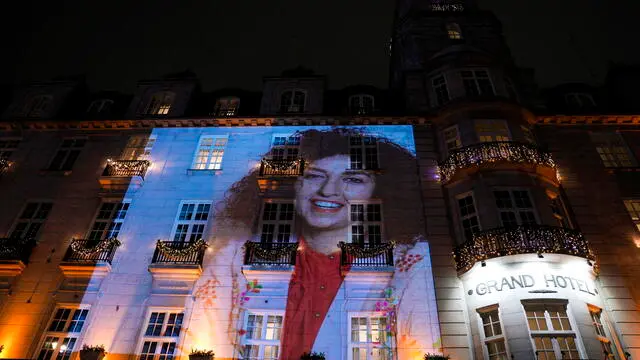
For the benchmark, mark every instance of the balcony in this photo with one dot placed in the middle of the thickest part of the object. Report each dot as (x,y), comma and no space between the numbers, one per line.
(87,262)
(270,254)
(278,176)
(365,256)
(14,256)
(500,155)
(4,165)
(179,253)
(176,265)
(121,175)
(529,239)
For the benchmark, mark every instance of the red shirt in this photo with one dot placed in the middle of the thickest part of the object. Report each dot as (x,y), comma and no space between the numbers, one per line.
(314,284)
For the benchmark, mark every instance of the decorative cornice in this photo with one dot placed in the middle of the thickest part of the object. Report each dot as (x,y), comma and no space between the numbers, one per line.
(588,120)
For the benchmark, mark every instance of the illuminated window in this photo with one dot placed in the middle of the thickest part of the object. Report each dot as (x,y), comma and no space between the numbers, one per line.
(633,207)
(453,31)
(551,331)
(515,207)
(365,224)
(440,89)
(227,106)
(369,338)
(161,335)
(210,153)
(494,338)
(363,152)
(100,106)
(468,216)
(477,82)
(277,222)
(293,101)
(67,154)
(8,146)
(528,134)
(451,137)
(612,149)
(37,105)
(31,220)
(492,130)
(108,220)
(191,220)
(601,331)
(63,333)
(285,147)
(139,147)
(261,340)
(160,103)
(579,100)
(361,104)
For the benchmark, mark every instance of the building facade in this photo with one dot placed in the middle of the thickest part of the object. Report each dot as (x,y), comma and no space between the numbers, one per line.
(455,213)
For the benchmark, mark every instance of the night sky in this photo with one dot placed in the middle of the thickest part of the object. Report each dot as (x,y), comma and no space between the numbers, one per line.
(237,42)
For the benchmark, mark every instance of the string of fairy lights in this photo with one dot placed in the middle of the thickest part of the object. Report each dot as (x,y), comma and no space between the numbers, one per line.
(270,253)
(80,246)
(360,251)
(183,251)
(134,167)
(282,165)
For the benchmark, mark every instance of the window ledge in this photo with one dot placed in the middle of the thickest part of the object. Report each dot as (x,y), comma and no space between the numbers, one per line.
(55,172)
(207,172)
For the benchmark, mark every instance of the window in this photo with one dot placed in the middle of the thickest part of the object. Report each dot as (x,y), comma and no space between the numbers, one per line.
(31,220)
(191,220)
(160,103)
(366,224)
(468,216)
(67,154)
(601,332)
(139,147)
(108,220)
(227,106)
(161,335)
(558,210)
(63,333)
(515,207)
(7,147)
(477,82)
(511,90)
(612,149)
(579,101)
(551,331)
(277,222)
(494,338)
(528,134)
(492,130)
(100,106)
(633,207)
(262,338)
(453,31)
(293,101)
(285,147)
(210,153)
(37,105)
(369,339)
(451,137)
(361,104)
(440,89)
(363,152)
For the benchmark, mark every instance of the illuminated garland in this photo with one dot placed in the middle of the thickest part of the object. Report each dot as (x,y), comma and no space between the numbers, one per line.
(192,248)
(530,239)
(4,164)
(282,165)
(360,251)
(12,247)
(490,152)
(128,167)
(274,253)
(102,245)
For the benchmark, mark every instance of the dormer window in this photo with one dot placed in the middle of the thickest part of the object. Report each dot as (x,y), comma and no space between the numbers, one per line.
(160,103)
(100,106)
(361,104)
(293,101)
(579,101)
(453,31)
(36,105)
(227,106)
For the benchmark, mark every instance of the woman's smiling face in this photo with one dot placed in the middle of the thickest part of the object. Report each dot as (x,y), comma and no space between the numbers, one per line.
(325,190)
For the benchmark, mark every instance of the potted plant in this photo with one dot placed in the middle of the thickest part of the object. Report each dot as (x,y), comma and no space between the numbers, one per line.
(201,354)
(95,352)
(313,356)
(428,356)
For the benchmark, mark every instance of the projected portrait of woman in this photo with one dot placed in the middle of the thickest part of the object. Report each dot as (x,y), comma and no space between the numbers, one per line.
(349,178)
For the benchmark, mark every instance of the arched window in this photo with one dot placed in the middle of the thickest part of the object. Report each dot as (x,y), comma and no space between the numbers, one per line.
(453,31)
(361,104)
(36,105)
(227,106)
(100,106)
(160,103)
(293,101)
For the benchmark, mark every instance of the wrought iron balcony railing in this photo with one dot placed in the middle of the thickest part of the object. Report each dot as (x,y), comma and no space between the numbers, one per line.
(126,168)
(529,239)
(179,252)
(365,255)
(259,253)
(91,251)
(286,168)
(16,249)
(493,152)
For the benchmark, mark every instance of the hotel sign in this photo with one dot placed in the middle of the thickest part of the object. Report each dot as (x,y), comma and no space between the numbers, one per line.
(541,284)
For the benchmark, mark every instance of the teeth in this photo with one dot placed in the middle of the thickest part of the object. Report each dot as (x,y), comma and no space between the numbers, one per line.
(326,204)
